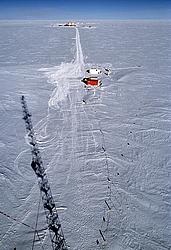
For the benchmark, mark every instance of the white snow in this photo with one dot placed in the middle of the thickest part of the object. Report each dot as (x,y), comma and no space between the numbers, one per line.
(112,152)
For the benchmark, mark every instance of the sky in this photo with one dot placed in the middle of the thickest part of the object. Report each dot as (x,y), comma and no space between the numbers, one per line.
(85,9)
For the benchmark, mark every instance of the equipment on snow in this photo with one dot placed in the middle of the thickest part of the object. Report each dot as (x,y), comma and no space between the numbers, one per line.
(94,71)
(92,81)
(70,24)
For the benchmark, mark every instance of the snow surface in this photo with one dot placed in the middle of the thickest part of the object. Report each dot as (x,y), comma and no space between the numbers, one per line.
(113,148)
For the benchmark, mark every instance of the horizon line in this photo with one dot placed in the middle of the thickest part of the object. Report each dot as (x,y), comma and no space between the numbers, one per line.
(98,19)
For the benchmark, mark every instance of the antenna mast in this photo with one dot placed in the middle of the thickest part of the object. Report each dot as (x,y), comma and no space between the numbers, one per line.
(54,225)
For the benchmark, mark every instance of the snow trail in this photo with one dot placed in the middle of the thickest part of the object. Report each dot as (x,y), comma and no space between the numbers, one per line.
(99,152)
(64,77)
(59,76)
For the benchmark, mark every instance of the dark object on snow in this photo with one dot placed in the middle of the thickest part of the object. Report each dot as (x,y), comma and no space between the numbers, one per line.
(107,205)
(107,72)
(97,241)
(102,235)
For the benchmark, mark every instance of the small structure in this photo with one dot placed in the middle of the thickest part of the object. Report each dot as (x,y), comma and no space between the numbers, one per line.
(70,24)
(94,71)
(92,77)
(92,81)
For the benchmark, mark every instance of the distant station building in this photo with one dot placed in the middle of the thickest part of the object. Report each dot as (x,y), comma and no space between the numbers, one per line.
(70,24)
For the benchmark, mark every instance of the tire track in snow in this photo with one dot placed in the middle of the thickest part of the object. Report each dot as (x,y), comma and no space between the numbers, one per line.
(60,77)
(130,238)
(112,196)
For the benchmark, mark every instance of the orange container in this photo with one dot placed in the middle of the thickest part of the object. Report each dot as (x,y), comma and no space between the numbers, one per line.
(91,81)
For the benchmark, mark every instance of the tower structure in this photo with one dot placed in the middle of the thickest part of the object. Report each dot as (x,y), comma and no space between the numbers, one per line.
(53,222)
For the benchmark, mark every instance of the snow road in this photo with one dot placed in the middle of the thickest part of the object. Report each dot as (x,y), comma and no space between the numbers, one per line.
(107,161)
